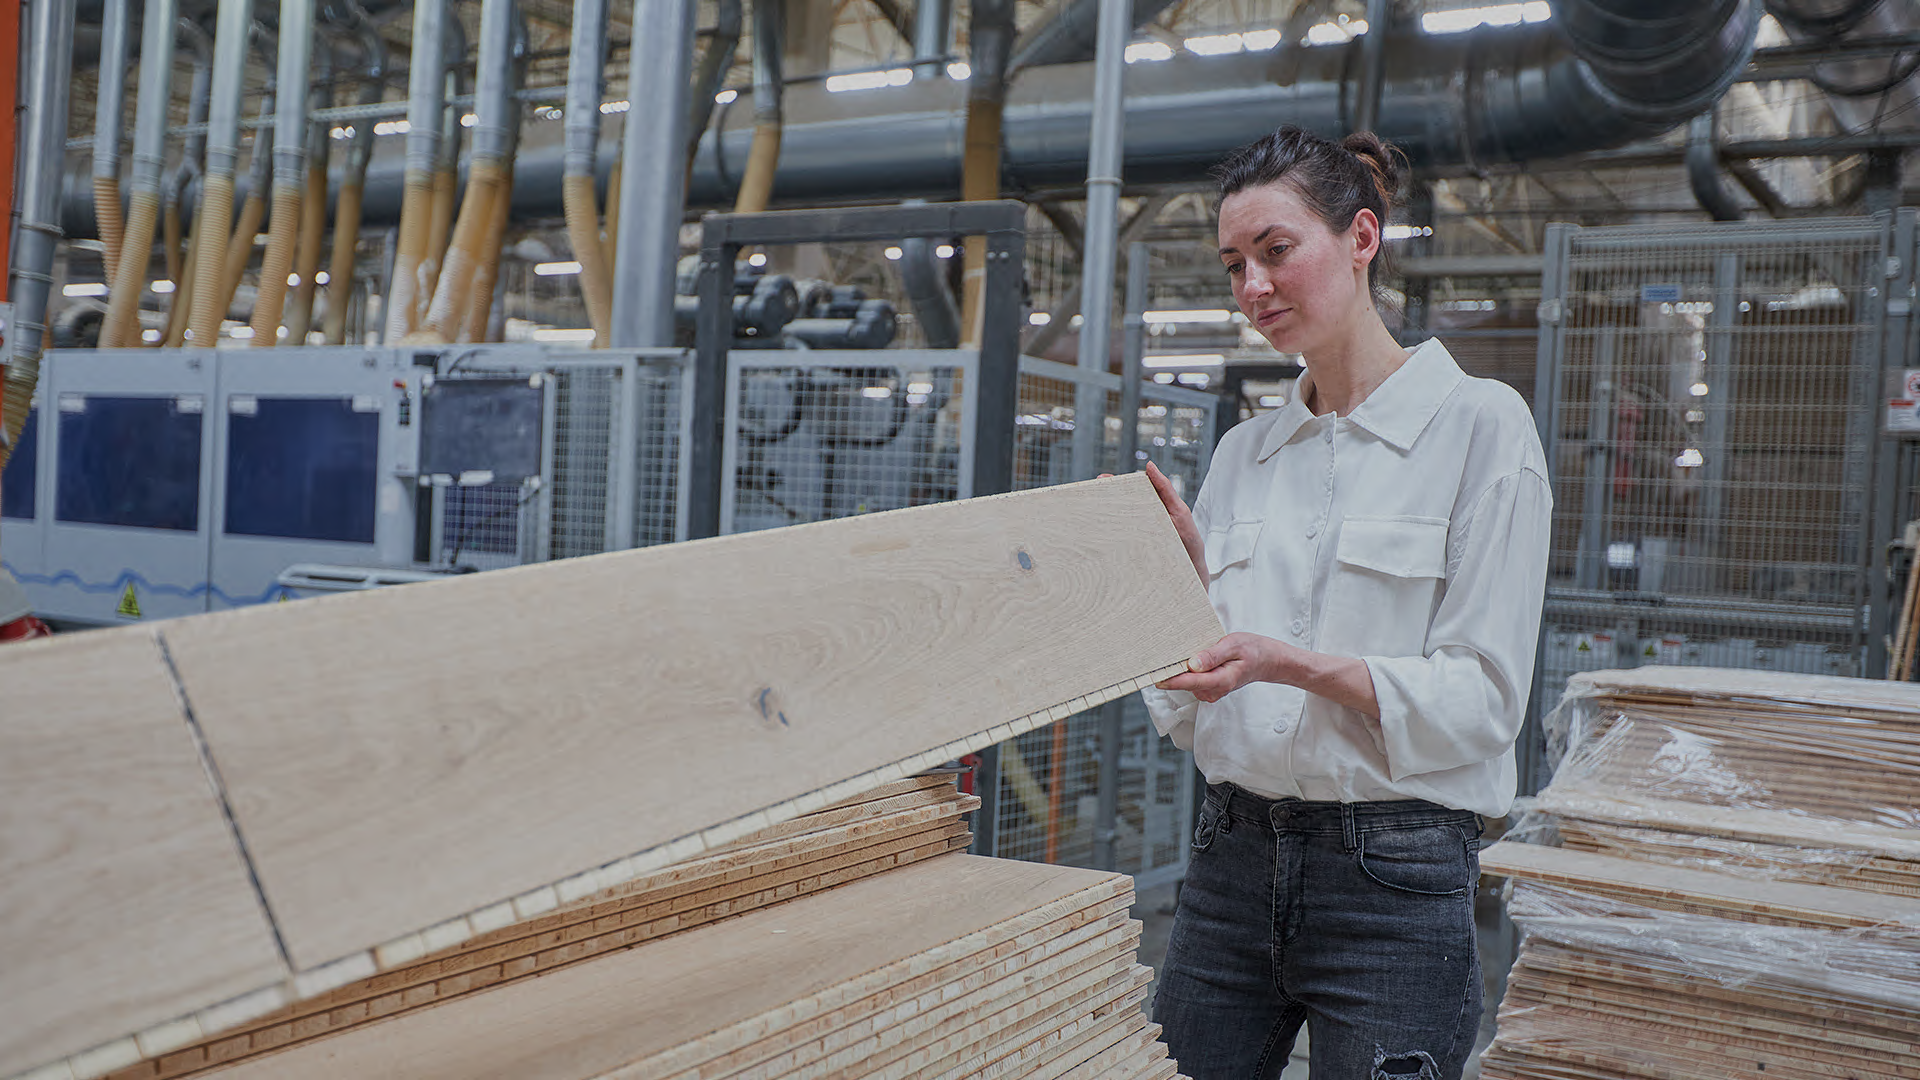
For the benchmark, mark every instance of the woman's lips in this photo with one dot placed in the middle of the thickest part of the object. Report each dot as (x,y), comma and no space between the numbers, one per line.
(1268,318)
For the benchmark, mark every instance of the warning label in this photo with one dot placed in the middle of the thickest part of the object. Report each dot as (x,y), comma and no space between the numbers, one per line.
(129,604)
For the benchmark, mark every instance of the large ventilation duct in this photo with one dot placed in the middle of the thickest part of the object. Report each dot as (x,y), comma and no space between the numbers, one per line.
(1855,87)
(1068,37)
(1490,95)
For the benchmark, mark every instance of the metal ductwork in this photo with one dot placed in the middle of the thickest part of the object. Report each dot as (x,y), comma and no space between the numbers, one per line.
(1484,96)
(1068,37)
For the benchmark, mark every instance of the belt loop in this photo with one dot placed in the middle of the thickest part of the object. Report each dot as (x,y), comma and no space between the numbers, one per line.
(1346,827)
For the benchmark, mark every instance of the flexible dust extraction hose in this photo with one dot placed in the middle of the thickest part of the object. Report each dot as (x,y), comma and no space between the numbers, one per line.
(495,119)
(425,84)
(210,258)
(121,327)
(178,311)
(487,274)
(109,103)
(612,228)
(196,40)
(346,236)
(447,314)
(583,230)
(306,260)
(253,210)
(763,160)
(446,168)
(289,170)
(172,237)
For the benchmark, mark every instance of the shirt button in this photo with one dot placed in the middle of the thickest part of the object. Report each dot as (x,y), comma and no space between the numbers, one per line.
(1281,727)
(1313,531)
(1299,626)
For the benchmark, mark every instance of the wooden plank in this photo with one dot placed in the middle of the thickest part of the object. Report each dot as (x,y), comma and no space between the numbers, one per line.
(394,759)
(124,902)
(1740,684)
(536,948)
(770,968)
(1740,823)
(1658,885)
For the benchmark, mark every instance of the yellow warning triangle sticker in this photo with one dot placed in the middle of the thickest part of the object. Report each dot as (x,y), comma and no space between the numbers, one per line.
(129,604)
(284,597)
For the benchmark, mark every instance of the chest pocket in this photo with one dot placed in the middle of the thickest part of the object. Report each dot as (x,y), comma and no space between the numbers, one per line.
(1388,573)
(1229,552)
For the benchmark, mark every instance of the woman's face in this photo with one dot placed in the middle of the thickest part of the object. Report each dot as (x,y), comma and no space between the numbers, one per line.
(1298,282)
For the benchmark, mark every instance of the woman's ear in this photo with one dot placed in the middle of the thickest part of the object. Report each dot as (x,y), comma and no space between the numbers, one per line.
(1366,238)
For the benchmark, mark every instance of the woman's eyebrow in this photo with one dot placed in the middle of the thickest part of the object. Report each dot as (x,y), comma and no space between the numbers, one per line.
(1262,235)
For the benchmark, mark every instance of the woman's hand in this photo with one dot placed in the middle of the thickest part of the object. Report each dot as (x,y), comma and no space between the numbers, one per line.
(1182,520)
(1229,664)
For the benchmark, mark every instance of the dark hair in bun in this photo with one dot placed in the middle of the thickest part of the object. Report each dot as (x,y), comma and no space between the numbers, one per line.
(1336,179)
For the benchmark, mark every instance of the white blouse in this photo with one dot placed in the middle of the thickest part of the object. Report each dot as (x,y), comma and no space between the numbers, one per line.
(1411,534)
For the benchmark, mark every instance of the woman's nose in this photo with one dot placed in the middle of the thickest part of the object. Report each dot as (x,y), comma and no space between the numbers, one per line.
(1256,285)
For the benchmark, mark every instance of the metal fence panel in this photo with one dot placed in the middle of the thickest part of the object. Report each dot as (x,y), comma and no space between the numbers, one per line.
(1707,398)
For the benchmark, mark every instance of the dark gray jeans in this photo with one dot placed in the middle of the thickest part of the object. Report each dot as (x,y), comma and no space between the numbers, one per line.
(1353,918)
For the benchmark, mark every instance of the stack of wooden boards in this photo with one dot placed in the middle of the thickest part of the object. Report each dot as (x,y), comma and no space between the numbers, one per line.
(1736,886)
(211,821)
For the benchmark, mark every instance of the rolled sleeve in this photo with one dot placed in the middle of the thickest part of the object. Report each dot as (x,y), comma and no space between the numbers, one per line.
(1464,701)
(1173,713)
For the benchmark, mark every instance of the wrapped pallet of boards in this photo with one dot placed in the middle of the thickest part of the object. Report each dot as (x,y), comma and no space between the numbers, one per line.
(1723,879)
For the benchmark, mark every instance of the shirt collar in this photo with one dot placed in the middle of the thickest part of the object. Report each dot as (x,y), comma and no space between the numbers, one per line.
(1397,411)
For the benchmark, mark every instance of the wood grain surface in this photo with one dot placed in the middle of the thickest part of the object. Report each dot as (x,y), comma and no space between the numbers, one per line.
(757,973)
(401,757)
(123,899)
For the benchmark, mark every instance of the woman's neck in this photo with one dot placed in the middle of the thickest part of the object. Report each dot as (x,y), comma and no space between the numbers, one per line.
(1343,376)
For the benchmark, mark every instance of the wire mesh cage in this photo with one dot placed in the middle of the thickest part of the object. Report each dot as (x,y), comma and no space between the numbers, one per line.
(1708,397)
(815,435)
(612,460)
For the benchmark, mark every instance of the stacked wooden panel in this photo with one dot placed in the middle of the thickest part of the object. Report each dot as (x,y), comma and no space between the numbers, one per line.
(207,821)
(1736,886)
(956,966)
(900,823)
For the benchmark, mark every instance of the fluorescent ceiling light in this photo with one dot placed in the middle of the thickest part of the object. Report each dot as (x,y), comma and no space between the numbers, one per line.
(556,269)
(160,288)
(1039,318)
(1203,315)
(550,333)
(1150,51)
(1452,22)
(1260,40)
(894,254)
(944,251)
(240,333)
(726,97)
(1215,44)
(1404,232)
(608,108)
(869,80)
(392,127)
(1186,360)
(959,72)
(85,288)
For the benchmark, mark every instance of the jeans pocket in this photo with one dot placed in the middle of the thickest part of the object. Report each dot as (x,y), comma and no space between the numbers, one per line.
(1207,827)
(1428,860)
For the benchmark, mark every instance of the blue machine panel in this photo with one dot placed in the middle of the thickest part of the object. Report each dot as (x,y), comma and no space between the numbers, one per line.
(18,485)
(130,461)
(302,468)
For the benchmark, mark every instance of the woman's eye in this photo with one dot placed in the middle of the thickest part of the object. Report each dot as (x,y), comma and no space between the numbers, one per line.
(1277,249)
(1233,268)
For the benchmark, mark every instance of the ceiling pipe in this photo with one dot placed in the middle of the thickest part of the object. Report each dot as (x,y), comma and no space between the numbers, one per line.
(1703,171)
(193,150)
(43,137)
(253,205)
(932,37)
(289,170)
(1103,220)
(313,205)
(652,187)
(480,322)
(122,324)
(109,113)
(586,85)
(426,78)
(711,75)
(231,32)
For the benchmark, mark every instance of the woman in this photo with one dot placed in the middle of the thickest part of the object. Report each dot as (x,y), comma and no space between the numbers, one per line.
(1377,549)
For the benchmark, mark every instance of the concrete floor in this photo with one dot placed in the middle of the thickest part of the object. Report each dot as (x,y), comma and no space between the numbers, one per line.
(1154,908)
